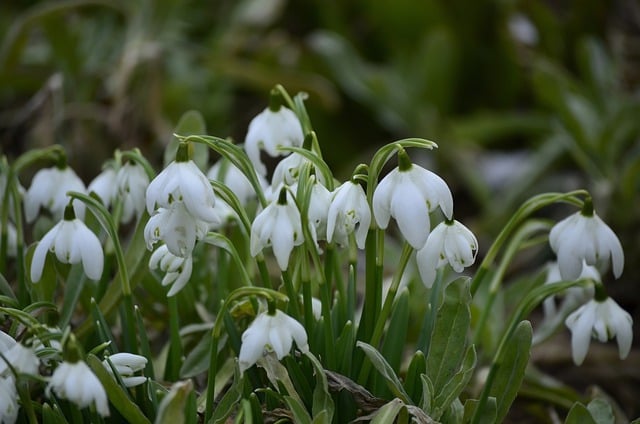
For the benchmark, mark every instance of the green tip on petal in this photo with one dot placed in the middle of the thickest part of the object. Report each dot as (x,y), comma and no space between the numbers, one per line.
(587,207)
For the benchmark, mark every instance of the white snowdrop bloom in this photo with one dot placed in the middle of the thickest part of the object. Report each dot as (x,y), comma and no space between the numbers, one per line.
(449,243)
(275,332)
(104,185)
(318,212)
(21,358)
(12,240)
(288,170)
(176,227)
(573,296)
(8,400)
(177,269)
(316,307)
(602,320)
(131,184)
(269,131)
(349,212)
(229,175)
(279,226)
(585,237)
(126,365)
(6,342)
(72,242)
(49,189)
(409,193)
(77,383)
(183,182)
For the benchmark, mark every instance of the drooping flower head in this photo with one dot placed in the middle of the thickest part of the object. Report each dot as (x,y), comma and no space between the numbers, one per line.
(126,365)
(177,228)
(349,212)
(49,189)
(409,193)
(449,243)
(72,242)
(104,185)
(583,236)
(131,184)
(276,332)
(76,382)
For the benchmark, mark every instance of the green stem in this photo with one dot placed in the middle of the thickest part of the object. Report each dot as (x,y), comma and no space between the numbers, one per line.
(172,372)
(430,317)
(294,304)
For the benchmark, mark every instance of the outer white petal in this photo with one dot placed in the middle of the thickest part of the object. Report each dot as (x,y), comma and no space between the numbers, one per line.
(183,277)
(104,186)
(411,214)
(621,324)
(254,340)
(261,228)
(427,258)
(129,360)
(282,237)
(607,241)
(197,193)
(382,198)
(298,333)
(581,322)
(8,400)
(434,189)
(279,340)
(64,246)
(90,250)
(40,253)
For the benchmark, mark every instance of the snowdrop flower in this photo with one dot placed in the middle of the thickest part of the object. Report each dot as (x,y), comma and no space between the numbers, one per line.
(409,193)
(288,170)
(8,400)
(6,342)
(583,236)
(127,364)
(276,332)
(21,358)
(183,182)
(176,227)
(349,212)
(72,242)
(573,296)
(12,240)
(602,319)
(319,205)
(450,242)
(49,189)
(278,226)
(231,176)
(274,127)
(104,185)
(131,184)
(177,269)
(77,383)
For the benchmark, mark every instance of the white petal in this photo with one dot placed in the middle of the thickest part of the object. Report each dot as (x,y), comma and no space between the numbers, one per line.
(282,238)
(40,253)
(581,322)
(91,251)
(411,214)
(382,199)
(183,278)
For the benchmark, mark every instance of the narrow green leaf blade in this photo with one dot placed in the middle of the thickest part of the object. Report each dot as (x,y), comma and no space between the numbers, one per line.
(383,367)
(579,414)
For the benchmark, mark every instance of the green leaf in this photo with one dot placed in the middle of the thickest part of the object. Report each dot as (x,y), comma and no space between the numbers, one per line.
(383,367)
(197,361)
(488,415)
(298,410)
(394,344)
(388,413)
(579,414)
(117,396)
(322,401)
(72,290)
(427,394)
(448,340)
(190,123)
(456,384)
(52,415)
(511,368)
(412,383)
(601,411)
(230,399)
(173,406)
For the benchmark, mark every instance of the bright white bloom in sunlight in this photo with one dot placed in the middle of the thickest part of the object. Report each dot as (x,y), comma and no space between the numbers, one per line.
(275,332)
(8,400)
(104,185)
(349,212)
(269,131)
(177,269)
(279,226)
(288,170)
(49,189)
(573,296)
(126,365)
(449,243)
(22,358)
(131,184)
(72,242)
(183,182)
(409,195)
(603,320)
(228,174)
(177,228)
(587,238)
(77,383)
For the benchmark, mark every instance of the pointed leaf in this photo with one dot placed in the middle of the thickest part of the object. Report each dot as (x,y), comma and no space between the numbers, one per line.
(298,410)
(487,415)
(388,413)
(383,367)
(601,411)
(456,384)
(579,414)
(173,407)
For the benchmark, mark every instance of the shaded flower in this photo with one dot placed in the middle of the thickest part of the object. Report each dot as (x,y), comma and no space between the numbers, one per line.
(49,189)
(72,242)
(8,400)
(21,358)
(177,269)
(583,236)
(131,184)
(176,227)
(409,193)
(275,332)
(602,320)
(126,365)
(228,174)
(288,170)
(278,226)
(77,383)
(349,212)
(104,185)
(270,130)
(573,296)
(450,242)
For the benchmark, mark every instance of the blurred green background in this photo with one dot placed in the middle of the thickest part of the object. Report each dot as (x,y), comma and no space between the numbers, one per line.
(521,96)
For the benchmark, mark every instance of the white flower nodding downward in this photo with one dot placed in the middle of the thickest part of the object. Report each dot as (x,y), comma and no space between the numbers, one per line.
(131,184)
(583,236)
(126,365)
(72,242)
(275,331)
(23,359)
(76,382)
(178,269)
(49,189)
(409,193)
(601,319)
(104,185)
(573,296)
(450,242)
(274,127)
(279,226)
(8,400)
(349,212)
(176,227)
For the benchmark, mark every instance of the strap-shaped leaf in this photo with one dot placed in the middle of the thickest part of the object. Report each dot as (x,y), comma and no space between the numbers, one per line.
(383,367)
(456,384)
